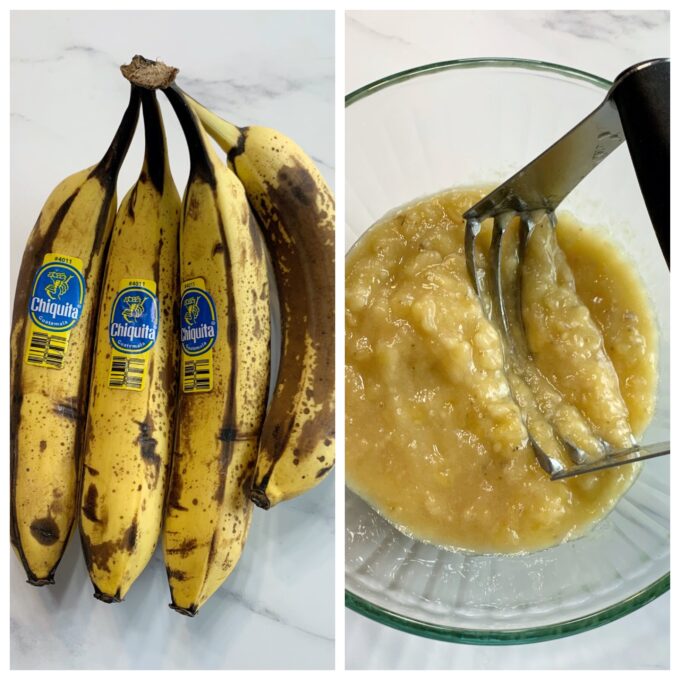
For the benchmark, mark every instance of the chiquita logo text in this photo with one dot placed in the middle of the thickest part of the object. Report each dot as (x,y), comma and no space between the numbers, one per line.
(120,330)
(198,333)
(54,309)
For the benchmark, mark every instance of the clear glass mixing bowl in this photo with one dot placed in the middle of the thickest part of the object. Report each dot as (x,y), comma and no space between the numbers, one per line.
(470,122)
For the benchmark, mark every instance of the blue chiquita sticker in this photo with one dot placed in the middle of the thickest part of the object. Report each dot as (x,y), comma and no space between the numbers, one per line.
(133,327)
(198,320)
(57,296)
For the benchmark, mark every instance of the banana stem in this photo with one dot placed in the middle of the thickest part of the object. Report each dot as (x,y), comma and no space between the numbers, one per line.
(225,134)
(199,156)
(155,155)
(108,167)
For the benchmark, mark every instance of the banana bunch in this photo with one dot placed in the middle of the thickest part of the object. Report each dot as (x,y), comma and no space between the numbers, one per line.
(297,212)
(225,336)
(55,308)
(174,435)
(131,414)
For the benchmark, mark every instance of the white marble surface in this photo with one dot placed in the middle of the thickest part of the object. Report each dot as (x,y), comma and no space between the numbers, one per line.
(67,96)
(603,43)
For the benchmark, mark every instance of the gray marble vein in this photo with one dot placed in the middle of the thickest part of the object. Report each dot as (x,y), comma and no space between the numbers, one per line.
(355,22)
(66,53)
(603,25)
(261,610)
(325,164)
(268,86)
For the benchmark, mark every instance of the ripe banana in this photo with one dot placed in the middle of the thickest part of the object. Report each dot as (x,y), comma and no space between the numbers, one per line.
(225,333)
(297,212)
(51,346)
(130,421)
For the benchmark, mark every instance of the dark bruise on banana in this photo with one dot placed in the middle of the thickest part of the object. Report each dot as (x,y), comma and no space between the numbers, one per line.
(48,405)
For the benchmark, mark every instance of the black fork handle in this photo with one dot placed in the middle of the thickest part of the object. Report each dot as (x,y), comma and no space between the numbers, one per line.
(642,97)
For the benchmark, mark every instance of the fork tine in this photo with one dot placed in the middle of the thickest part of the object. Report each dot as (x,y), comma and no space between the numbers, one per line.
(498,311)
(472,228)
(634,454)
(551,465)
(500,225)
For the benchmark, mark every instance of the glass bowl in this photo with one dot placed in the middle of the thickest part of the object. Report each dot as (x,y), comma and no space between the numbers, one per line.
(456,124)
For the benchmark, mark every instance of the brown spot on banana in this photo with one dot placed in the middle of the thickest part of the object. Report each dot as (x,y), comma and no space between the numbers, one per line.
(56,506)
(132,202)
(229,434)
(147,447)
(45,530)
(185,547)
(175,492)
(176,574)
(192,209)
(130,537)
(100,554)
(213,549)
(90,503)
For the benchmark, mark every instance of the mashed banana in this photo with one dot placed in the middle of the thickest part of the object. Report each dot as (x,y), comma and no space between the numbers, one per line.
(435,440)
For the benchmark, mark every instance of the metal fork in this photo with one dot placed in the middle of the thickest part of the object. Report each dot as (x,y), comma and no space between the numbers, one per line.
(637,109)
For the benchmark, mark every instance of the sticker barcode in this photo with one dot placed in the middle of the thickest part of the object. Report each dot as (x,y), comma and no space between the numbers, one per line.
(127,373)
(46,349)
(197,374)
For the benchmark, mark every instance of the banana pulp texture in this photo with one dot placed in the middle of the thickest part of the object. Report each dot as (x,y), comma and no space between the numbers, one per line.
(48,405)
(209,511)
(129,432)
(297,212)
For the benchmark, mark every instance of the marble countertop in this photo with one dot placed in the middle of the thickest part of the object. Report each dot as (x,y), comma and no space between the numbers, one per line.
(277,608)
(604,43)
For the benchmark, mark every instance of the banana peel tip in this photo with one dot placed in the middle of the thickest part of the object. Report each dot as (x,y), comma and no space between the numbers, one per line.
(187,611)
